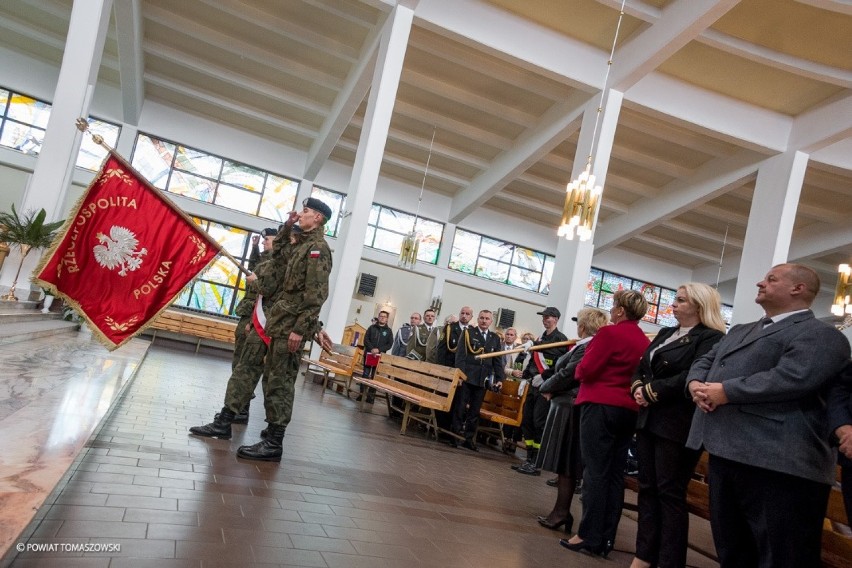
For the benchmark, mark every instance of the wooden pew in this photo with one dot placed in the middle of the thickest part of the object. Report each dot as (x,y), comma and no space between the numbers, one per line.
(337,367)
(423,388)
(504,408)
(199,326)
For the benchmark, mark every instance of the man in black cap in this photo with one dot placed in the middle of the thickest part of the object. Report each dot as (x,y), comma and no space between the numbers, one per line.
(301,289)
(293,318)
(536,406)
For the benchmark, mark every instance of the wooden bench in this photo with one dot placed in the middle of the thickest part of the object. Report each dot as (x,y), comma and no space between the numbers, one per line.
(504,408)
(198,326)
(423,388)
(337,367)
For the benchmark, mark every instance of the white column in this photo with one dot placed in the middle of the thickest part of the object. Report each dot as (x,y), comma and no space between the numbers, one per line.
(446,249)
(770,227)
(126,140)
(574,258)
(365,171)
(71,100)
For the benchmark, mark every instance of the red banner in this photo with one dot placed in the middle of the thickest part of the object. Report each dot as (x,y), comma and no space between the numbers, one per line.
(124,254)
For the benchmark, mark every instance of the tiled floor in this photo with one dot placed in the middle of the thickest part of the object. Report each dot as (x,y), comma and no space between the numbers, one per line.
(350,492)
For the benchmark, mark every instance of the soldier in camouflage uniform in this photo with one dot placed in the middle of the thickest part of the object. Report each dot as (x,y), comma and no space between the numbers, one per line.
(246,306)
(293,318)
(267,282)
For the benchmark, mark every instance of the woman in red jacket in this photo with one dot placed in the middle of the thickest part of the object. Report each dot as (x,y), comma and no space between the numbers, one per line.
(607,419)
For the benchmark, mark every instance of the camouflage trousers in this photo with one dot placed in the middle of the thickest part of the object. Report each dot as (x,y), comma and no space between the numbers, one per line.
(239,340)
(281,370)
(246,373)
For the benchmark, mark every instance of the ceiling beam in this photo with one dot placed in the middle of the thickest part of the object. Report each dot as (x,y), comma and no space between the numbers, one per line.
(822,127)
(279,26)
(810,242)
(689,229)
(231,77)
(714,178)
(475,100)
(131,64)
(747,50)
(346,103)
(554,126)
(679,23)
(239,48)
(228,105)
(777,60)
(667,245)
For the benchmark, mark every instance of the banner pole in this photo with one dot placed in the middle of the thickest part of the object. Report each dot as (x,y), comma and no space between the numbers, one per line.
(83,126)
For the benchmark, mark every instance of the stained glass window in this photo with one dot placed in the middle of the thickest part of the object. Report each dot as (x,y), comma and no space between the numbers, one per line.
(386,228)
(221,286)
(501,261)
(212,179)
(601,286)
(23,121)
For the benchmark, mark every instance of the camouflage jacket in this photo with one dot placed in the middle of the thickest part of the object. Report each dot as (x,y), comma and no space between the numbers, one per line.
(304,288)
(256,265)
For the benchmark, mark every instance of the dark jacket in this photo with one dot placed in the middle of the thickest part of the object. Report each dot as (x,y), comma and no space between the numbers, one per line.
(776,380)
(840,406)
(559,380)
(546,356)
(448,342)
(663,381)
(378,337)
(471,344)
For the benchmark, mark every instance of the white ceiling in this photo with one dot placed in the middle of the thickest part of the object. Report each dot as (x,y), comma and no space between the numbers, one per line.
(711,88)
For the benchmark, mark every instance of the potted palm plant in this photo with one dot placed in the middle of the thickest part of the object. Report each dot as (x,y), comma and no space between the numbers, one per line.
(26,233)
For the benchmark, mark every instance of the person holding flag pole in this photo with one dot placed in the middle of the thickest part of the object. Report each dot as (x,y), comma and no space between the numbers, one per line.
(293,316)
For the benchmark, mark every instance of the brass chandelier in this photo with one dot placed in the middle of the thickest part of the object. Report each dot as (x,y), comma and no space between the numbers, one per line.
(411,242)
(583,195)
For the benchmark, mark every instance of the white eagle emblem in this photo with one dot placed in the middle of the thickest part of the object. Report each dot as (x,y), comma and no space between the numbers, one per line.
(119,251)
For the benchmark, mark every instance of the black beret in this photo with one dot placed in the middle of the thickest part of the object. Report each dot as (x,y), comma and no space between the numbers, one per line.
(269,232)
(317,205)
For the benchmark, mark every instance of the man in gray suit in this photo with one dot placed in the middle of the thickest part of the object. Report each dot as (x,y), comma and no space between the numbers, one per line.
(762,417)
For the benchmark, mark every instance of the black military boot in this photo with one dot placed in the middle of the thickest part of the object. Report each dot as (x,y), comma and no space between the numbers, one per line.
(268,449)
(241,417)
(219,428)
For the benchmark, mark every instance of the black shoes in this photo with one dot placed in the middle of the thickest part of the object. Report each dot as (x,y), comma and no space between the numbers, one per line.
(470,445)
(568,523)
(553,482)
(268,449)
(219,428)
(528,468)
(602,549)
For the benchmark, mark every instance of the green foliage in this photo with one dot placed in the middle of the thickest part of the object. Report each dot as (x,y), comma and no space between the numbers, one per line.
(27,232)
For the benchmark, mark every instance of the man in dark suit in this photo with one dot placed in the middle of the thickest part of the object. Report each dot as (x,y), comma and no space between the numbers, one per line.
(762,417)
(481,373)
(448,342)
(840,424)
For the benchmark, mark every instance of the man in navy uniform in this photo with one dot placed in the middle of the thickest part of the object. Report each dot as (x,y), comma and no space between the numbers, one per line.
(481,374)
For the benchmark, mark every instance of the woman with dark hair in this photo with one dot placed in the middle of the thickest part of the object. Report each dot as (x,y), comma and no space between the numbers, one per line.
(560,443)
(607,420)
(659,388)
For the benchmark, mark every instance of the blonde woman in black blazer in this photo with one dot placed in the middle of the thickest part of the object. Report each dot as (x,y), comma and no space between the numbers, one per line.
(665,464)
